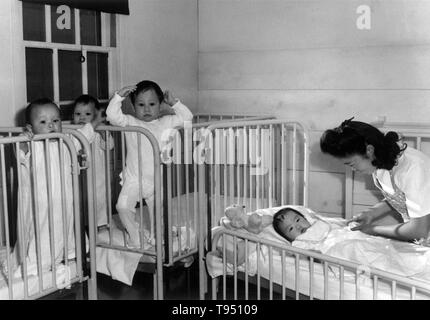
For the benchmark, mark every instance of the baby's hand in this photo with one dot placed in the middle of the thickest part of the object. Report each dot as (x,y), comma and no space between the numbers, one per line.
(169,98)
(124,92)
(28,133)
(98,118)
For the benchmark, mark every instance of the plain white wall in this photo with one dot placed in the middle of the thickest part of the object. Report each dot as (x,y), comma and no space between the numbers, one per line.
(159,42)
(307,60)
(12,63)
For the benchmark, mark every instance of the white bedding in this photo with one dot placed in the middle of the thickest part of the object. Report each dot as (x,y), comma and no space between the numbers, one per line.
(401,258)
(121,265)
(64,277)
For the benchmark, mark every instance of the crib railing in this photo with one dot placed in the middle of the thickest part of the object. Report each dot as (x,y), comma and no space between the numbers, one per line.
(227,117)
(257,164)
(366,282)
(28,216)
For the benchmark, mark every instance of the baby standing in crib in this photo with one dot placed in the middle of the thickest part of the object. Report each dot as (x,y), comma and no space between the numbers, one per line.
(147,99)
(42,117)
(86,109)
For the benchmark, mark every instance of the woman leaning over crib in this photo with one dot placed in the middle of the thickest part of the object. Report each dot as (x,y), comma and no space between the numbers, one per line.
(400,172)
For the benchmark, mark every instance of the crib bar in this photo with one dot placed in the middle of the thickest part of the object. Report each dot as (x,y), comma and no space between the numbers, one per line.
(168,225)
(297,275)
(178,193)
(283,271)
(224,263)
(50,212)
(235,268)
(246,269)
(108,190)
(311,278)
(246,195)
(375,287)
(357,284)
(413,293)
(22,237)
(258,274)
(238,167)
(342,282)
(140,177)
(251,163)
(284,170)
(224,166)
(257,162)
(419,143)
(294,156)
(270,273)
(394,290)
(187,162)
(5,213)
(36,217)
(63,205)
(271,166)
(230,148)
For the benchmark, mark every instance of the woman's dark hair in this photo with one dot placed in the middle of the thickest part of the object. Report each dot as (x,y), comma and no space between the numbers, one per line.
(353,137)
(146,85)
(87,99)
(34,104)
(277,221)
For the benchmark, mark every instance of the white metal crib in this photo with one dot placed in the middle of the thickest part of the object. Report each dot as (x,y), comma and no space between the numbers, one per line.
(30,279)
(277,270)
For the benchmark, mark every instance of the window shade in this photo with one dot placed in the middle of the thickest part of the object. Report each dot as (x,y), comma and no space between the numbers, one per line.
(111,6)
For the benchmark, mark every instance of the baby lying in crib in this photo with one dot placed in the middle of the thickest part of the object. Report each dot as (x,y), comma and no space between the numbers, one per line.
(305,229)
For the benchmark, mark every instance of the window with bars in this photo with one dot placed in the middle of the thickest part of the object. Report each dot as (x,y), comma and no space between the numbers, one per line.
(68,52)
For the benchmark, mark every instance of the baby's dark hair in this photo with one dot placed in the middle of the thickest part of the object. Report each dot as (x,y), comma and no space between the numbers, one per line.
(353,137)
(146,85)
(35,103)
(277,221)
(86,99)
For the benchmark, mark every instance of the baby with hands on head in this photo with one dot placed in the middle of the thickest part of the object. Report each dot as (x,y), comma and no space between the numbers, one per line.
(157,112)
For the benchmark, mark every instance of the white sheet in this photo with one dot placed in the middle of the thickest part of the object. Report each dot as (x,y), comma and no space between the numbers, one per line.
(64,276)
(122,265)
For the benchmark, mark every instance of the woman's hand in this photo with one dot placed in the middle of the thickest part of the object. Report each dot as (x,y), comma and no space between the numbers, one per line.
(362,221)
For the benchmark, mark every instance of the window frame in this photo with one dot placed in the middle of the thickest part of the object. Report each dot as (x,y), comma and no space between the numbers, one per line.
(112,52)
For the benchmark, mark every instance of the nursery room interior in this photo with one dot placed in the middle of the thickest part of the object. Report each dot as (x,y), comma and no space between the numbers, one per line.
(205,120)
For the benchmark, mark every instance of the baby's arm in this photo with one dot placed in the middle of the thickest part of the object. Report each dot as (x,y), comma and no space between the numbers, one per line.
(113,112)
(181,112)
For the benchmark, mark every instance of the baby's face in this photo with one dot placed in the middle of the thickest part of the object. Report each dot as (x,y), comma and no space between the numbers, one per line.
(45,119)
(84,113)
(293,224)
(147,106)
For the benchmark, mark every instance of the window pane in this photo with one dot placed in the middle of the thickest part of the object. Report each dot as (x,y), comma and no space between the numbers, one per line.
(98,77)
(113,30)
(38,65)
(33,17)
(63,24)
(90,22)
(70,74)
